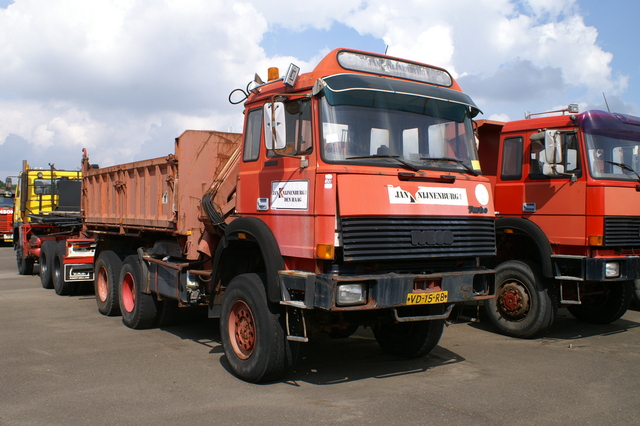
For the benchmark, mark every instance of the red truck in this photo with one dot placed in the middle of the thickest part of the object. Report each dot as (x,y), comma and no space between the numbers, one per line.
(353,198)
(6,216)
(567,199)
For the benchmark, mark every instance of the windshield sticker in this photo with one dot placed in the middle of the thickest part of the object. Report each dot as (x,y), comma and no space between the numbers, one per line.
(428,195)
(290,195)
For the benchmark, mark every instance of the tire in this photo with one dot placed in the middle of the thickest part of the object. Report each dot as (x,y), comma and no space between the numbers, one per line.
(523,306)
(61,287)
(409,339)
(607,303)
(47,254)
(107,271)
(253,332)
(636,296)
(138,309)
(25,264)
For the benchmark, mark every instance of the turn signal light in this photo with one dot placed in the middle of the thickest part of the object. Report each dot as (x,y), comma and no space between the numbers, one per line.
(596,240)
(325,251)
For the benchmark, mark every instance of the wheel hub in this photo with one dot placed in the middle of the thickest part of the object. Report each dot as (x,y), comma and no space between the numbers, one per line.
(242,330)
(513,300)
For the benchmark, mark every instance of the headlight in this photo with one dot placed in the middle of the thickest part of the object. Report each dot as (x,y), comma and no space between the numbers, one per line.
(351,294)
(612,269)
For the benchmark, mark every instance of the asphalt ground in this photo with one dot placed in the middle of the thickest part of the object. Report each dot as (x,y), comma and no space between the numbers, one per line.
(62,363)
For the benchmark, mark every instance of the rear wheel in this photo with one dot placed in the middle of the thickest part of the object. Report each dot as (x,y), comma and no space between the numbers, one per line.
(57,271)
(409,339)
(253,332)
(138,309)
(523,306)
(47,254)
(107,271)
(604,303)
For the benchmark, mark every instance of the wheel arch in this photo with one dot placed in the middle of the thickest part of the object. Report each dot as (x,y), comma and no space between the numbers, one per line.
(511,235)
(248,245)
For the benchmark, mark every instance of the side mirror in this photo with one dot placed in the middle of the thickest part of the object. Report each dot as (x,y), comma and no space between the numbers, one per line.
(274,125)
(8,182)
(552,147)
(38,189)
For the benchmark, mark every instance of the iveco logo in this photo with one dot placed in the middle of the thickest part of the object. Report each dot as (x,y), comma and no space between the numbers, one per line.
(431,238)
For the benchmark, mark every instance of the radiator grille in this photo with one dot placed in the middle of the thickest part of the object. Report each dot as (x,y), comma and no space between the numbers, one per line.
(407,238)
(622,231)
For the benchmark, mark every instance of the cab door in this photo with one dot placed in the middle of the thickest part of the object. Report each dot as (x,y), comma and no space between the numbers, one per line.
(277,185)
(557,203)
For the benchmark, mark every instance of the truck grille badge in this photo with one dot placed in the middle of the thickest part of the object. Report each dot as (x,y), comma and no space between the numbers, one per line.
(431,238)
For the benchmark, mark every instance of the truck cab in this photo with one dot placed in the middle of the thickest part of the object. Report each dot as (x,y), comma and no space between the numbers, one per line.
(6,215)
(567,196)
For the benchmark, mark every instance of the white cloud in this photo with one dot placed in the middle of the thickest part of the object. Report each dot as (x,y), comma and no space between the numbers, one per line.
(125,77)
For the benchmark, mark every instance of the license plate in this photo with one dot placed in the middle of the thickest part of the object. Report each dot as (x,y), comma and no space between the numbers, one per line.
(427,298)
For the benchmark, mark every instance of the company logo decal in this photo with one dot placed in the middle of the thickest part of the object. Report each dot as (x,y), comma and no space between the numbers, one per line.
(290,195)
(6,211)
(428,195)
(431,238)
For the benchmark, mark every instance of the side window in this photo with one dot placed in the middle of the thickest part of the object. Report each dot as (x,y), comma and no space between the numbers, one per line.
(512,159)
(570,157)
(252,135)
(299,131)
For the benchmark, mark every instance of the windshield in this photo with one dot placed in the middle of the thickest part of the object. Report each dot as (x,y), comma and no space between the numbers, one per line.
(614,158)
(6,201)
(397,130)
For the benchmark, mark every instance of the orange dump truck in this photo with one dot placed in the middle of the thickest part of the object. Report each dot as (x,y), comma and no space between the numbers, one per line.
(352,198)
(567,197)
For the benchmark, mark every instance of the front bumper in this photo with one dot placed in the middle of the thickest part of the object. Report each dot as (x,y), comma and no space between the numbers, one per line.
(310,291)
(581,268)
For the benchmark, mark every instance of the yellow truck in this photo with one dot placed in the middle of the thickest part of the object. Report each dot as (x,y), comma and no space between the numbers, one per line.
(46,227)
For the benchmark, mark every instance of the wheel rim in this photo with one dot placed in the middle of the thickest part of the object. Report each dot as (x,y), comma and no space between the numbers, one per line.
(128,292)
(242,329)
(103,289)
(514,300)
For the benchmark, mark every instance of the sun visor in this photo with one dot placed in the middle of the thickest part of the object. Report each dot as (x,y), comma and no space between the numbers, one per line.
(363,90)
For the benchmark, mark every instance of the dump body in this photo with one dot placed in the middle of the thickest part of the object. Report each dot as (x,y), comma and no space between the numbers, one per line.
(567,200)
(160,195)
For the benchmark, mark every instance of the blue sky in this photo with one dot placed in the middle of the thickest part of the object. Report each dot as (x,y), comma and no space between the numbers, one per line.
(124,78)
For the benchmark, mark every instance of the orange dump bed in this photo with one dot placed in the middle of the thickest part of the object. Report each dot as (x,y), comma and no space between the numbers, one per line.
(160,194)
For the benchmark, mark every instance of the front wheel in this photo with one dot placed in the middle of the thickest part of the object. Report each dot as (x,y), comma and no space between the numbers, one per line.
(603,303)
(409,339)
(25,264)
(253,332)
(523,305)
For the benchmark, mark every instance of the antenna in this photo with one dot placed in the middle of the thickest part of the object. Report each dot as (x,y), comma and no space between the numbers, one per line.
(605,102)
(386,49)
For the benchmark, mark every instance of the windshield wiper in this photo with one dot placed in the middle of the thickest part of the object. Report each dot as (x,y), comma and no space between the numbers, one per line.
(452,160)
(393,157)
(625,168)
